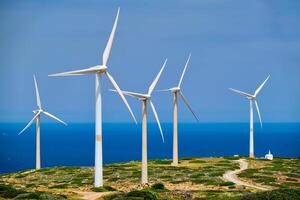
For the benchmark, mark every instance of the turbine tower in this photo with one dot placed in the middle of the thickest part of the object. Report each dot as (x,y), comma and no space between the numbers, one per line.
(37,117)
(175,91)
(98,70)
(252,99)
(144,98)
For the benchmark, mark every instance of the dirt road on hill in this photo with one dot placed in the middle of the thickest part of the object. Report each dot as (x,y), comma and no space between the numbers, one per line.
(232,176)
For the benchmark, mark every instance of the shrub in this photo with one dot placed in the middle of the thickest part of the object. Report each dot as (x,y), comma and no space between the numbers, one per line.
(33,195)
(114,196)
(59,186)
(224,161)
(161,162)
(279,194)
(197,161)
(187,158)
(144,194)
(216,173)
(40,196)
(265,179)
(197,175)
(30,185)
(7,191)
(227,183)
(103,189)
(158,186)
(231,157)
(48,196)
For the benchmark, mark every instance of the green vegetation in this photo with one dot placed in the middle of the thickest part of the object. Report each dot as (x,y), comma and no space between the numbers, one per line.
(280,194)
(103,189)
(278,173)
(40,196)
(10,192)
(7,191)
(158,187)
(143,194)
(197,161)
(231,157)
(194,178)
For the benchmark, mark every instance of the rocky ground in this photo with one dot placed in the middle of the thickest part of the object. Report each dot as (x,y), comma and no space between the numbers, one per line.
(194,178)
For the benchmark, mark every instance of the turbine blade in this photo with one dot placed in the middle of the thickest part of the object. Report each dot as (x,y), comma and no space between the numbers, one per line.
(53,117)
(152,86)
(257,108)
(186,103)
(261,86)
(132,94)
(164,90)
(121,94)
(241,93)
(186,64)
(110,40)
(157,120)
(38,100)
(77,72)
(31,121)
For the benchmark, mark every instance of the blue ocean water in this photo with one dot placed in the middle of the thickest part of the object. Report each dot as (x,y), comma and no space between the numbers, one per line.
(74,145)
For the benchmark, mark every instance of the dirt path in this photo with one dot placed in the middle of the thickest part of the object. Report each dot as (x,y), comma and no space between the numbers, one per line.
(232,176)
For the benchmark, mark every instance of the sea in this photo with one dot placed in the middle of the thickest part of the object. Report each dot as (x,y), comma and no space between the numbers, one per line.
(74,145)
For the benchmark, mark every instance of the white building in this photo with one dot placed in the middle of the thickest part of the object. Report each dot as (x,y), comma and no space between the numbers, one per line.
(269,156)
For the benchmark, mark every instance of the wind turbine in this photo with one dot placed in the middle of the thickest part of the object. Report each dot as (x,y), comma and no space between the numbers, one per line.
(144,98)
(175,91)
(252,98)
(37,117)
(98,70)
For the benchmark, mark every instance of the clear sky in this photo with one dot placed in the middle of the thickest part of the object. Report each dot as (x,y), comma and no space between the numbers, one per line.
(233,44)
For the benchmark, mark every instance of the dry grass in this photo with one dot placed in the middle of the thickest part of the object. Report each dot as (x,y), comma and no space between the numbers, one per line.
(199,177)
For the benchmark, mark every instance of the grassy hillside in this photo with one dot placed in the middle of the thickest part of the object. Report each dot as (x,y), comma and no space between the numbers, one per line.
(197,178)
(280,173)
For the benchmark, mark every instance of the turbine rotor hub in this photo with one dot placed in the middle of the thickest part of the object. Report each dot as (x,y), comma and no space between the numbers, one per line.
(252,98)
(100,68)
(145,97)
(175,89)
(36,111)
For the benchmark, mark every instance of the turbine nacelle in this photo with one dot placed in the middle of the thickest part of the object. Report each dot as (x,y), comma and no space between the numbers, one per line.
(146,97)
(175,89)
(99,68)
(253,98)
(36,111)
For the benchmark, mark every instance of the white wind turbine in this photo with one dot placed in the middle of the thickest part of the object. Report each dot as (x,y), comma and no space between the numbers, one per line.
(37,117)
(175,91)
(98,71)
(252,98)
(144,98)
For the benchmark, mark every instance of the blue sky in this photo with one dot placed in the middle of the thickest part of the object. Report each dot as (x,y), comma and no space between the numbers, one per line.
(233,44)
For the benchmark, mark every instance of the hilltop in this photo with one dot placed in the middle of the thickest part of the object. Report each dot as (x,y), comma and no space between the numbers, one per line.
(195,178)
